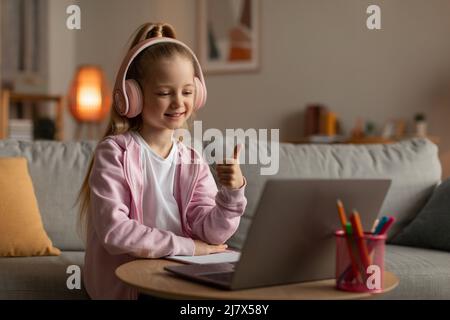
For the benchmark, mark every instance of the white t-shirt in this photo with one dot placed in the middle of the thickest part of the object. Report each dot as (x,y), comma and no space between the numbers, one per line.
(159,176)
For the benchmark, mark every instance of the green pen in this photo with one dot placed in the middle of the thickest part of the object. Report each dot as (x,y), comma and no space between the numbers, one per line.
(348,228)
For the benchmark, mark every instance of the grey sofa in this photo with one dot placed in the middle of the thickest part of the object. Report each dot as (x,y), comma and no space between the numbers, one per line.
(57,170)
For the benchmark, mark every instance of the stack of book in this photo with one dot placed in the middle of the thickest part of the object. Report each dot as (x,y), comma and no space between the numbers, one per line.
(21,129)
(326,139)
(320,121)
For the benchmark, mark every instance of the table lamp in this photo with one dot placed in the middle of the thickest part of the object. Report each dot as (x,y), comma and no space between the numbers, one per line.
(89,98)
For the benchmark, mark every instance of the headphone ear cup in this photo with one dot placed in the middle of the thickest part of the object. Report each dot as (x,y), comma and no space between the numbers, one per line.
(200,93)
(135,98)
(119,102)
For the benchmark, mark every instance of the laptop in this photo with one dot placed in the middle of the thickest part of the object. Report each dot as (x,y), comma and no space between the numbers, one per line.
(291,238)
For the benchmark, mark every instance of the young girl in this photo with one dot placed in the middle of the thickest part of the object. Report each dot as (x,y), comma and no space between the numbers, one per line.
(145,194)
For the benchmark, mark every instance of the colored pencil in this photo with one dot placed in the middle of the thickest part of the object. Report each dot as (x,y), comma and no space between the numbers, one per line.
(352,252)
(359,235)
(387,225)
(341,212)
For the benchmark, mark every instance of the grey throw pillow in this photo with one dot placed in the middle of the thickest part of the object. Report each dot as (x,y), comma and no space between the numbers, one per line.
(431,227)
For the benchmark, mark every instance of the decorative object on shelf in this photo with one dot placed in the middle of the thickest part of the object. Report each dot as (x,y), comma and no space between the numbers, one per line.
(228,33)
(328,123)
(370,128)
(89,98)
(321,125)
(358,129)
(44,129)
(313,115)
(400,129)
(388,130)
(421,125)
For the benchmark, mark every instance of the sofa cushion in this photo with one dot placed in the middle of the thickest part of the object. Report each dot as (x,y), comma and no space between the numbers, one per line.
(431,227)
(40,277)
(57,170)
(423,273)
(21,229)
(413,165)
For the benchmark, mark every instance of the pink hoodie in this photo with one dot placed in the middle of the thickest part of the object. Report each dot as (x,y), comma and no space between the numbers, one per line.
(116,233)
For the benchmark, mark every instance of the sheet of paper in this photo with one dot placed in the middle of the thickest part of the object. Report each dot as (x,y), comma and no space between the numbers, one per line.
(227,256)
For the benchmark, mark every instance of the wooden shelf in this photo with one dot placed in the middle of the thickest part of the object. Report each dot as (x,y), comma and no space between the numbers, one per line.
(370,140)
(363,140)
(7,97)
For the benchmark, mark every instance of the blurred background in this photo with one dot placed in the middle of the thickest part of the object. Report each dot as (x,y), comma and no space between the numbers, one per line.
(310,68)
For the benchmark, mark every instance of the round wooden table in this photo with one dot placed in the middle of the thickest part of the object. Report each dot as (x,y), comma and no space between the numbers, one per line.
(149,277)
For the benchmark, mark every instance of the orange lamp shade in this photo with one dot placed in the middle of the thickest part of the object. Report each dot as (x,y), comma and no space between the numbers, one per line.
(89,96)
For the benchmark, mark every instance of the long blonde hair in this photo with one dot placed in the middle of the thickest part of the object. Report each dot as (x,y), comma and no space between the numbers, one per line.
(138,70)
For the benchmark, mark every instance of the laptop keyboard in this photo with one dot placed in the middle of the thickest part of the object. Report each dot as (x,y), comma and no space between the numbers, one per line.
(219,276)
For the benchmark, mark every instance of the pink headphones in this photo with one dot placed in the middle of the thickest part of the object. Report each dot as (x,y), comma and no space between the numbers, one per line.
(128,97)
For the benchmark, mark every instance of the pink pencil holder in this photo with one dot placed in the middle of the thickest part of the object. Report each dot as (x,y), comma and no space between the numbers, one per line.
(355,270)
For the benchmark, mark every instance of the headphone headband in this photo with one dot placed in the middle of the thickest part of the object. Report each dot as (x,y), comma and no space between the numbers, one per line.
(120,97)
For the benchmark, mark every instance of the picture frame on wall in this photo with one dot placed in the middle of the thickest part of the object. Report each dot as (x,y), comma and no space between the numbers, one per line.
(228,35)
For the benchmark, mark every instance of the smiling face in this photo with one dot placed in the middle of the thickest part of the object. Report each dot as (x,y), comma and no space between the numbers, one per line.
(168,94)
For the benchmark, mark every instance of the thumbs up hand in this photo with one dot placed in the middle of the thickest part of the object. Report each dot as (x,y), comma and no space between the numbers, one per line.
(229,173)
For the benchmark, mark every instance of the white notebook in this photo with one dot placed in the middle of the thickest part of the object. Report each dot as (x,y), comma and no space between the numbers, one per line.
(227,256)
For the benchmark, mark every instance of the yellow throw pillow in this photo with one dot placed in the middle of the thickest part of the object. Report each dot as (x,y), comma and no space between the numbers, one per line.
(21,230)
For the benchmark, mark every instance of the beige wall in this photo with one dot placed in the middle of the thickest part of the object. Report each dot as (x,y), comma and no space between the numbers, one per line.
(321,51)
(61,56)
(312,51)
